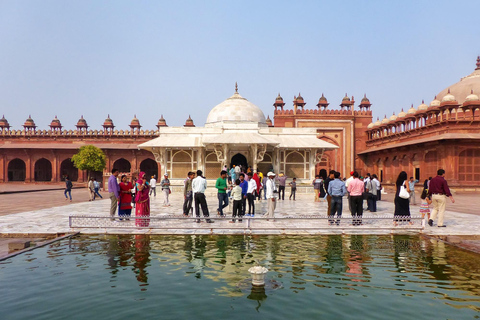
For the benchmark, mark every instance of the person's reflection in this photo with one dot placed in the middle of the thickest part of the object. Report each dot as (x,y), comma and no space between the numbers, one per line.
(437,260)
(199,247)
(401,245)
(334,252)
(258,294)
(118,251)
(354,264)
(142,258)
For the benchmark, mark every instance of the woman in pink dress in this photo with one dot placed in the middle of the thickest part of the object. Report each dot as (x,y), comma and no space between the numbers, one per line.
(142,200)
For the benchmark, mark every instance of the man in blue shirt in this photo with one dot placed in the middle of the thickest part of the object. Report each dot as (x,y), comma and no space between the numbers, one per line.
(411,184)
(336,189)
(244,186)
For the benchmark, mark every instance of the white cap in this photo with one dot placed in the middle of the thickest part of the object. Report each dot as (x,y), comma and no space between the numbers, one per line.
(271,174)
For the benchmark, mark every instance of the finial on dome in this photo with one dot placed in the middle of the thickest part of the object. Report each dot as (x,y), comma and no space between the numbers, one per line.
(423,102)
(236,87)
(478,63)
(448,90)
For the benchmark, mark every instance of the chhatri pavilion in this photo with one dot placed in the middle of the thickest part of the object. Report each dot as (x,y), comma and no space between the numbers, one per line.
(237,133)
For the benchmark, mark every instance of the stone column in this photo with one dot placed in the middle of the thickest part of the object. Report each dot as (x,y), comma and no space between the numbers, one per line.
(312,163)
(4,168)
(29,170)
(254,152)
(56,174)
(201,159)
(276,160)
(160,155)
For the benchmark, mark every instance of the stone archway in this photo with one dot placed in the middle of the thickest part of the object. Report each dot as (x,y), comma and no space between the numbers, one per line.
(68,169)
(123,165)
(16,170)
(239,159)
(43,170)
(150,167)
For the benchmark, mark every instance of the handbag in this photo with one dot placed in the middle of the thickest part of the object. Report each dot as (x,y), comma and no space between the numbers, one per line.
(404,194)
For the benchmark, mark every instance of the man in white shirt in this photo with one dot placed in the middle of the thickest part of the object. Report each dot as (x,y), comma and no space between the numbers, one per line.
(153,185)
(252,187)
(271,195)
(199,184)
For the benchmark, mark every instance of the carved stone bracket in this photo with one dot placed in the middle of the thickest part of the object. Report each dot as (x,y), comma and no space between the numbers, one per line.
(221,153)
(159,155)
(262,148)
(319,155)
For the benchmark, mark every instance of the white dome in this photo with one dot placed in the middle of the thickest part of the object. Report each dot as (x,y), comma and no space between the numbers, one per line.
(235,109)
(423,106)
(471,97)
(448,97)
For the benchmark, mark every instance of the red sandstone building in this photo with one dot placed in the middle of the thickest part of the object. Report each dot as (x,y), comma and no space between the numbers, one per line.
(444,134)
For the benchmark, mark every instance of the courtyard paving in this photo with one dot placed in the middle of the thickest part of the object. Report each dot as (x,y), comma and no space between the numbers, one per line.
(47,212)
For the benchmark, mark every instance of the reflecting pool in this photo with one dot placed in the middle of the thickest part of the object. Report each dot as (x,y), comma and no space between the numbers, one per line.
(206,277)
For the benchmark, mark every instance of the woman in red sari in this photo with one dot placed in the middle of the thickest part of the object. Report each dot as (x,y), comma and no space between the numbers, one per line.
(125,205)
(257,180)
(142,200)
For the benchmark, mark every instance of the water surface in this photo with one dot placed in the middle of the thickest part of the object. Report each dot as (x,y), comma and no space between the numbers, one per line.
(204,277)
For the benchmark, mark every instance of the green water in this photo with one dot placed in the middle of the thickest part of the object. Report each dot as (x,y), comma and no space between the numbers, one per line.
(204,277)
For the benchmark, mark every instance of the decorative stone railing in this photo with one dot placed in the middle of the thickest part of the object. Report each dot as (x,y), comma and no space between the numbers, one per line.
(77,133)
(327,112)
(419,122)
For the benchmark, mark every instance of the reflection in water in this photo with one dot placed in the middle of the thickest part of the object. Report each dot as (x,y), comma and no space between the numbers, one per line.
(258,294)
(142,258)
(341,263)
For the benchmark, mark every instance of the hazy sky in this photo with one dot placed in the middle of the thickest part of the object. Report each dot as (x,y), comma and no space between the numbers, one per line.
(176,58)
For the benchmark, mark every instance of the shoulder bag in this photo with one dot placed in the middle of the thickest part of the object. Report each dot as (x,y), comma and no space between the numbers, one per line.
(404,194)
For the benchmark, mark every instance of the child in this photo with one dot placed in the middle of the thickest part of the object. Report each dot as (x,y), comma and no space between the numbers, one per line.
(426,201)
(236,195)
(293,189)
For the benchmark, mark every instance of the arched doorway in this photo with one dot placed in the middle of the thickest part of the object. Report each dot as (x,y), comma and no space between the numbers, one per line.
(239,159)
(16,170)
(122,165)
(68,169)
(150,167)
(43,170)
(324,166)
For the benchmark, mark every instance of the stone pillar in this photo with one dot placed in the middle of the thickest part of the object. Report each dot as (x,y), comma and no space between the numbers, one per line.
(135,164)
(29,169)
(254,154)
(312,162)
(160,155)
(201,159)
(276,160)
(3,168)
(56,168)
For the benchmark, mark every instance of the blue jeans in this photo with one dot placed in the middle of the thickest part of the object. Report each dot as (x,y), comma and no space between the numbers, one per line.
(69,193)
(222,202)
(336,206)
(96,193)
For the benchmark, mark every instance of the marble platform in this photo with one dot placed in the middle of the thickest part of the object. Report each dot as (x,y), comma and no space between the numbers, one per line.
(56,220)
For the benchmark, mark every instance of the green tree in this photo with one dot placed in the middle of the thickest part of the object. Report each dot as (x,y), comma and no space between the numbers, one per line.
(89,158)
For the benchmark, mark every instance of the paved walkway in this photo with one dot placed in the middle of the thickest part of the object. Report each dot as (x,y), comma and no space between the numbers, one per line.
(55,219)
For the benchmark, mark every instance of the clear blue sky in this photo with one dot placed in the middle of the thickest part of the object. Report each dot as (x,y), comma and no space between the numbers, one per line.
(176,58)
